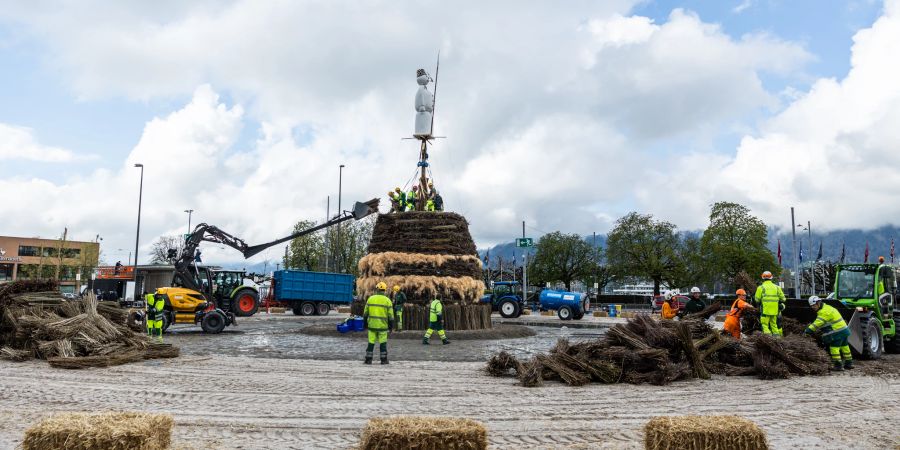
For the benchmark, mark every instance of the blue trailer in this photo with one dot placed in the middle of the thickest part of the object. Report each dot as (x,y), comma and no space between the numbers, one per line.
(312,293)
(568,305)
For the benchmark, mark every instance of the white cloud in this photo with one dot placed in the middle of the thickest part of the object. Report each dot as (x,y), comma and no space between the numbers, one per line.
(553,114)
(20,143)
(830,153)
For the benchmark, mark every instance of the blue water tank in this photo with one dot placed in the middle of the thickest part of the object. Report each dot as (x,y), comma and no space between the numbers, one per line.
(553,300)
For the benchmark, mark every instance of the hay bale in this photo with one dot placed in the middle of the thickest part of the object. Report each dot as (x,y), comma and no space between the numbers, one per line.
(703,432)
(343,310)
(601,314)
(423,433)
(276,310)
(548,313)
(111,431)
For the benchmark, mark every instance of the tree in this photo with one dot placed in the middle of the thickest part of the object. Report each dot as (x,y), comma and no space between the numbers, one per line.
(562,257)
(690,267)
(159,251)
(597,273)
(305,252)
(736,241)
(640,246)
(351,244)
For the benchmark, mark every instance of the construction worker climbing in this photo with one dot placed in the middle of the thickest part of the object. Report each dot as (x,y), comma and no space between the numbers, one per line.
(834,333)
(436,322)
(770,297)
(155,306)
(399,301)
(411,198)
(733,318)
(379,318)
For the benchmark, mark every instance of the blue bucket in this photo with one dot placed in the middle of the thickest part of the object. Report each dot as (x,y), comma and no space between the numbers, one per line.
(612,310)
(358,323)
(343,327)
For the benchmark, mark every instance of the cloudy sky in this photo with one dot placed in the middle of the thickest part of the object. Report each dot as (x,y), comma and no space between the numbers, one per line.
(565,115)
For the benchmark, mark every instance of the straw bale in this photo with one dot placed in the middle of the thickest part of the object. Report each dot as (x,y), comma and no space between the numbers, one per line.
(422,289)
(397,263)
(703,433)
(423,433)
(109,431)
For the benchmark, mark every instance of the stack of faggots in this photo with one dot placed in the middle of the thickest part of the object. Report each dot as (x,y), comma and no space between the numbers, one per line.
(429,255)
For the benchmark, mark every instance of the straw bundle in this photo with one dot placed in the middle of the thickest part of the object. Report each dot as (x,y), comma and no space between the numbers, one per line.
(423,433)
(397,263)
(69,334)
(703,433)
(644,350)
(423,289)
(433,233)
(109,431)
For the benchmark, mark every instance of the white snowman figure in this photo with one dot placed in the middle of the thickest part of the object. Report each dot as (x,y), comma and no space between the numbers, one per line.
(424,106)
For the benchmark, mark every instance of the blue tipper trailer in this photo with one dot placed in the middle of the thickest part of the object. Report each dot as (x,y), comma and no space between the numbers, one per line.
(313,293)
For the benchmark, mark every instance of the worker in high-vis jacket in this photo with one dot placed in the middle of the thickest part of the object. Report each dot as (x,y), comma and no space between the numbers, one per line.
(436,322)
(732,324)
(155,306)
(399,301)
(412,197)
(379,318)
(770,299)
(834,333)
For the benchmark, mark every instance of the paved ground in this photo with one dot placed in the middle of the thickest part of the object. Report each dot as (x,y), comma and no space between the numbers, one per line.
(267,386)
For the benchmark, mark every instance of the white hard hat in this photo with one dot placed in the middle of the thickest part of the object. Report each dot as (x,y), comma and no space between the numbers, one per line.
(813,300)
(695,290)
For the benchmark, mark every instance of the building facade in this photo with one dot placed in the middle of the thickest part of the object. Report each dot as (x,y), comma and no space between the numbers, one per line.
(70,262)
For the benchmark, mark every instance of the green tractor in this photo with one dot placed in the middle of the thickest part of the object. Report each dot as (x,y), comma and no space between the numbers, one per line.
(866,297)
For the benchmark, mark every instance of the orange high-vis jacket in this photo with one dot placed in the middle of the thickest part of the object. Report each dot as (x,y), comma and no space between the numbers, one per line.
(668,312)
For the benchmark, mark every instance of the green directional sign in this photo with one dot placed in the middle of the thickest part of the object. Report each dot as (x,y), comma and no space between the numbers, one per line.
(524,242)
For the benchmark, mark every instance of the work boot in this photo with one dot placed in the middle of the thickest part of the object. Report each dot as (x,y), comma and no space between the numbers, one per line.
(425,341)
(848,365)
(838,367)
(445,341)
(368,360)
(384,360)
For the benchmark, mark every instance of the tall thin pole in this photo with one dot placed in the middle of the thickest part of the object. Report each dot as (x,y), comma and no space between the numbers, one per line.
(794,250)
(137,236)
(189,211)
(524,268)
(596,286)
(327,232)
(813,272)
(339,263)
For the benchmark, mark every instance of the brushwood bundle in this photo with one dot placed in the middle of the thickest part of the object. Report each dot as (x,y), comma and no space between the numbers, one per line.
(36,323)
(430,255)
(645,350)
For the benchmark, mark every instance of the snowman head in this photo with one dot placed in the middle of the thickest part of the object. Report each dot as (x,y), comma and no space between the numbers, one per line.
(422,78)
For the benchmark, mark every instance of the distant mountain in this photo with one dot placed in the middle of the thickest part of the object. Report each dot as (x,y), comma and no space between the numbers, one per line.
(879,241)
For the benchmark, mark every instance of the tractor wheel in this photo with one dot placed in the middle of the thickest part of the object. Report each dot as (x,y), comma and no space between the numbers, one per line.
(872,341)
(564,313)
(213,322)
(579,315)
(322,309)
(509,309)
(168,318)
(307,308)
(245,303)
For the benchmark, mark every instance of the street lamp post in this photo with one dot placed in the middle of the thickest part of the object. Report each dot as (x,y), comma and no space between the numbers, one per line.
(189,211)
(339,264)
(137,236)
(808,230)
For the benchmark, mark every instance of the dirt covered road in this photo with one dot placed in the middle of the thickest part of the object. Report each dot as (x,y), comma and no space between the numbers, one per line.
(255,402)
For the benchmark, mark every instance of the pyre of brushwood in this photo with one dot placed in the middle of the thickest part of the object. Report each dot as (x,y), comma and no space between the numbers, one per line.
(430,255)
(36,323)
(645,350)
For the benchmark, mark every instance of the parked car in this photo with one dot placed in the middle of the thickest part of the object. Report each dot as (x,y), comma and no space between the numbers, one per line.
(69,296)
(680,301)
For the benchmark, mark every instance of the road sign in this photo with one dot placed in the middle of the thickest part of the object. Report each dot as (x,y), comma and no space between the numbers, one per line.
(524,242)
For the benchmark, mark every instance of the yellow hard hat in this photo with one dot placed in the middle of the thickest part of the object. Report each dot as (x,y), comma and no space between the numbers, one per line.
(396,288)
(381,286)
(397,188)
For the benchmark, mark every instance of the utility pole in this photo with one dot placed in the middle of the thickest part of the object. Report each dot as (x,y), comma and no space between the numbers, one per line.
(794,250)
(524,268)
(189,211)
(137,235)
(339,263)
(327,232)
(813,272)
(596,262)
